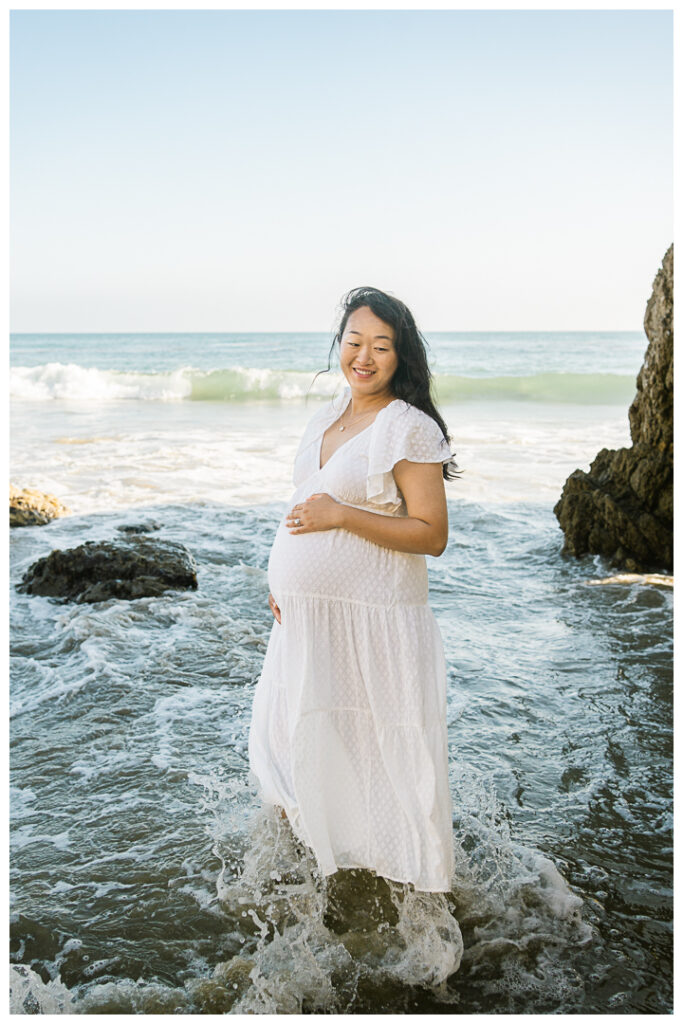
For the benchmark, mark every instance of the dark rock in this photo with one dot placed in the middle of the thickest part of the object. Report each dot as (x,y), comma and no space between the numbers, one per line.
(623,507)
(33,508)
(98,571)
(148,527)
(30,1004)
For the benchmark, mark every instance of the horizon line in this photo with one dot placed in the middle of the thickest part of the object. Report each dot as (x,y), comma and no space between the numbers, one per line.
(424,330)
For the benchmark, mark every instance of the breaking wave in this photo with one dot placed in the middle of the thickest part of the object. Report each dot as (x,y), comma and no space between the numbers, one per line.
(71,382)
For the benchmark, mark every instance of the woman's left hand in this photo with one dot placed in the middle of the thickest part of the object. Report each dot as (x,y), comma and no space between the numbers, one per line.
(317,512)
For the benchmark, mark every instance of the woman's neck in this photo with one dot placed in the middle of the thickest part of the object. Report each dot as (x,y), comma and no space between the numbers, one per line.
(360,404)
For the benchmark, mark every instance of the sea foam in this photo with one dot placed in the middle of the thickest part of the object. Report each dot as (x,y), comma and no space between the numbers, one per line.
(72,382)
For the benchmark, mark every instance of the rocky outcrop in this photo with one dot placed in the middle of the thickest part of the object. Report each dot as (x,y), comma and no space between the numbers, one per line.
(33,508)
(623,507)
(98,571)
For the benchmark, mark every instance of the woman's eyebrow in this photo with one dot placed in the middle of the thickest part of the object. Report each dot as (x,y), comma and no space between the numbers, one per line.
(385,337)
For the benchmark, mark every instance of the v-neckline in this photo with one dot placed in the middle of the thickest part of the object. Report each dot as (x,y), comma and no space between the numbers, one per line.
(359,434)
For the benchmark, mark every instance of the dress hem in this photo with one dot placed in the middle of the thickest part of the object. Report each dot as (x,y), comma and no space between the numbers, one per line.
(294,821)
(390,878)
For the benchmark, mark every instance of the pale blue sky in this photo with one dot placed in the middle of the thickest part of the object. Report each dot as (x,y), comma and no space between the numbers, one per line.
(241,170)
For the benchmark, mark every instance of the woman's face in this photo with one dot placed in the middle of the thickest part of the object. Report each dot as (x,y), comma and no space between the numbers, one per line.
(367,353)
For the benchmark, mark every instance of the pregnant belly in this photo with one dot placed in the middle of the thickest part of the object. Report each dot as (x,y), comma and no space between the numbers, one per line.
(338,564)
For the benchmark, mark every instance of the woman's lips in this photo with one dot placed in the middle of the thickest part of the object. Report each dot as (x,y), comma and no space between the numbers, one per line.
(362,373)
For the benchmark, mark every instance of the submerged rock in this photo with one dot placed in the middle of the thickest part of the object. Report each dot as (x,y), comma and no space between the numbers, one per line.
(33,508)
(98,571)
(148,526)
(623,507)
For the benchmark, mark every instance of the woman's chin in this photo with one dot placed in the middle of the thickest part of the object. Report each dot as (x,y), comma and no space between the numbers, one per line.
(366,385)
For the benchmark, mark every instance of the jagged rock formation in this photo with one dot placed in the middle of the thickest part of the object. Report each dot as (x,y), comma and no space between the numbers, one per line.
(97,571)
(623,507)
(33,508)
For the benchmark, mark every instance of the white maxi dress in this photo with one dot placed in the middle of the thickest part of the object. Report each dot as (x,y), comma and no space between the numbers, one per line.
(348,729)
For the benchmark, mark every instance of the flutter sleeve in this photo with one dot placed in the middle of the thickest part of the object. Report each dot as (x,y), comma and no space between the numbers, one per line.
(404,433)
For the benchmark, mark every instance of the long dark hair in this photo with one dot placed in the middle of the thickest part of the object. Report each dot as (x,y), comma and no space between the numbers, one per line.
(413,379)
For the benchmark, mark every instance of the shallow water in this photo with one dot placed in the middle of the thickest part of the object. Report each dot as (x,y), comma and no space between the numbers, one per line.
(146,878)
(140,855)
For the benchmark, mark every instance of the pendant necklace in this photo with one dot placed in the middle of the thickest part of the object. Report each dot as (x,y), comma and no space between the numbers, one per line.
(360,418)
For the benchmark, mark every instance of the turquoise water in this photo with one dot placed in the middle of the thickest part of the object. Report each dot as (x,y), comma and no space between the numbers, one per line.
(145,876)
(561,367)
(477,354)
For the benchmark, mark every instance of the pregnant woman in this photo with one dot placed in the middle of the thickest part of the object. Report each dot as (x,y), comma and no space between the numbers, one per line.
(348,732)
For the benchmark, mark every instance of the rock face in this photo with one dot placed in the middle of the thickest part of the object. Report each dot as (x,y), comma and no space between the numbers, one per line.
(97,571)
(33,508)
(623,507)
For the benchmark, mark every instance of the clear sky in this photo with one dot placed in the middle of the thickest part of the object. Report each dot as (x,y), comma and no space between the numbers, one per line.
(241,170)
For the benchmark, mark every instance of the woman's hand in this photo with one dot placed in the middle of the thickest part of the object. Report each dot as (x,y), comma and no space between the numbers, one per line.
(274,608)
(317,512)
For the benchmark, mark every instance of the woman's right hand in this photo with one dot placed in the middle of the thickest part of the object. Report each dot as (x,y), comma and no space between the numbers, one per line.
(274,608)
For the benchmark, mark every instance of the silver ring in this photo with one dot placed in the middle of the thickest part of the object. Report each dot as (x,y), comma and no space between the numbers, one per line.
(297,522)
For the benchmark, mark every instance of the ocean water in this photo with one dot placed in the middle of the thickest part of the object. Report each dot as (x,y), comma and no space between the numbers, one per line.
(146,878)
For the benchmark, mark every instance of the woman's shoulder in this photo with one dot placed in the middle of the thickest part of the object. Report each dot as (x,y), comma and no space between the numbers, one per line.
(402,412)
(411,430)
(404,408)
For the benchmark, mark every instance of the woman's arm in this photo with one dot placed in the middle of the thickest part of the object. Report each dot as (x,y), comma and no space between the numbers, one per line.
(424,531)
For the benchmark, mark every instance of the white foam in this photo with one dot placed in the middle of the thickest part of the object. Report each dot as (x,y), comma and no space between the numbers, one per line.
(22,802)
(413,938)
(88,384)
(74,383)
(25,836)
(30,994)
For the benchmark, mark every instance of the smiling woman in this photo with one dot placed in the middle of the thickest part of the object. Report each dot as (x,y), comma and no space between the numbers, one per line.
(368,351)
(348,731)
